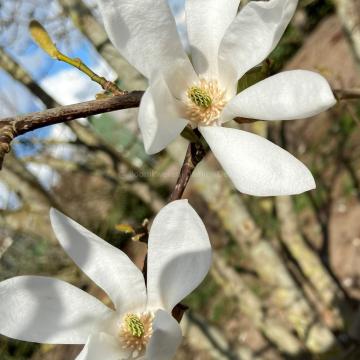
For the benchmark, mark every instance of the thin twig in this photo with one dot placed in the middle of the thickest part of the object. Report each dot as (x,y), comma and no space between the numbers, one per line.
(104,83)
(195,153)
(347,94)
(44,41)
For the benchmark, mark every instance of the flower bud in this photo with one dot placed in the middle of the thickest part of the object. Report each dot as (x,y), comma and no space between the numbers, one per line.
(42,38)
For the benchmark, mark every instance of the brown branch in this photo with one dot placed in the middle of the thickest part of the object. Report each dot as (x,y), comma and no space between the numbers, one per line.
(347,94)
(195,153)
(12,127)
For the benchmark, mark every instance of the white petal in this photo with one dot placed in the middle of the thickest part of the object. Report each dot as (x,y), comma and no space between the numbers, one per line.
(159,119)
(144,33)
(207,21)
(179,255)
(254,34)
(255,165)
(107,266)
(46,310)
(166,337)
(285,96)
(102,346)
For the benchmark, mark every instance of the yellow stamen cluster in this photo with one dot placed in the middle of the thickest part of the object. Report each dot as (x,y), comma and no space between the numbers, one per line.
(205,102)
(135,332)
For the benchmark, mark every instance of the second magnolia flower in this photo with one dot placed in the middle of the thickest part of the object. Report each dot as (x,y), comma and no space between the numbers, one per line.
(46,310)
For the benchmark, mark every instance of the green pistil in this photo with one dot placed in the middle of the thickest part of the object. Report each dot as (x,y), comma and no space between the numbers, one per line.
(135,326)
(200,97)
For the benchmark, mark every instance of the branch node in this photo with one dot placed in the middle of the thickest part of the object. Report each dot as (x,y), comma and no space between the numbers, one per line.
(7,134)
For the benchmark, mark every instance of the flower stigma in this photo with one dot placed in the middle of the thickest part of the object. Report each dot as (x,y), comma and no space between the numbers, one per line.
(205,102)
(135,332)
(199,97)
(134,325)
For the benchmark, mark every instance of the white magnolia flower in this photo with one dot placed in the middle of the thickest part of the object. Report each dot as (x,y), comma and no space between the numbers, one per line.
(45,310)
(224,45)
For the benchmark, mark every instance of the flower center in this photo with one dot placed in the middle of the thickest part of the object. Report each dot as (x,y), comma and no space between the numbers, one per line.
(199,97)
(205,102)
(135,332)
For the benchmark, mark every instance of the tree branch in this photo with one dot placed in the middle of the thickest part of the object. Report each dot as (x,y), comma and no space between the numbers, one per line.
(12,127)
(347,94)
(195,153)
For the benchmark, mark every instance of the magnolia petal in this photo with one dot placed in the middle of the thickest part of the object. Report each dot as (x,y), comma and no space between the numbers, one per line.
(207,21)
(254,34)
(45,310)
(255,165)
(159,118)
(178,79)
(286,96)
(102,346)
(144,33)
(107,266)
(166,337)
(179,255)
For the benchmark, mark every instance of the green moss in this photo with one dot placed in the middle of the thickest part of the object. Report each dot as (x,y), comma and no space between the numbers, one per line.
(301,202)
(116,134)
(346,124)
(199,300)
(223,309)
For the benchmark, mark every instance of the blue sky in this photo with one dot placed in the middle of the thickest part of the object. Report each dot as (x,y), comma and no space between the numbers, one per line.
(61,81)
(41,67)
(67,85)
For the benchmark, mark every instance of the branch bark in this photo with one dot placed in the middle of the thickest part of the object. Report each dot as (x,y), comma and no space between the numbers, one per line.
(195,153)
(347,94)
(12,127)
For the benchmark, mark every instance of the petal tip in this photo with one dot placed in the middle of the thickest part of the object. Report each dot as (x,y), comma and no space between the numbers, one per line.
(312,184)
(308,183)
(329,99)
(332,101)
(151,149)
(55,216)
(54,213)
